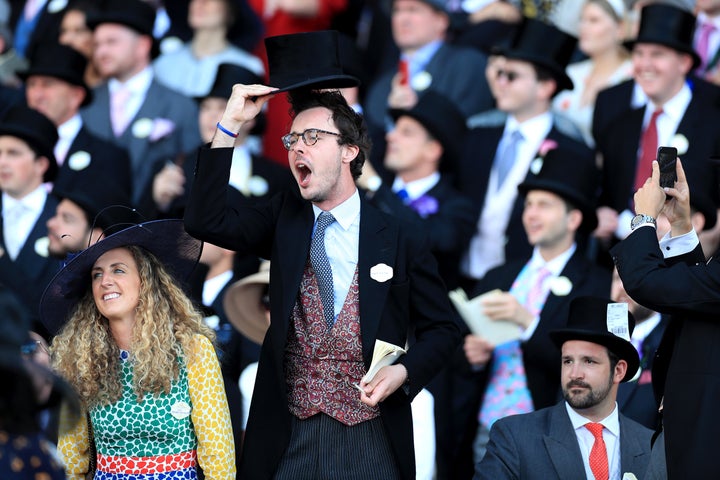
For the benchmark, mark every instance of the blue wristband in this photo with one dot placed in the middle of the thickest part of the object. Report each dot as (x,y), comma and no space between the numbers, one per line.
(226,131)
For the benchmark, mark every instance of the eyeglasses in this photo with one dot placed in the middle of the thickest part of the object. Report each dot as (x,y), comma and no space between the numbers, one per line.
(508,74)
(30,348)
(309,136)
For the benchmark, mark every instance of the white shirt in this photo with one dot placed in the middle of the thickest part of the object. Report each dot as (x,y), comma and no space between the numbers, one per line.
(416,188)
(138,86)
(342,241)
(17,227)
(212,287)
(555,266)
(66,135)
(487,247)
(241,169)
(611,437)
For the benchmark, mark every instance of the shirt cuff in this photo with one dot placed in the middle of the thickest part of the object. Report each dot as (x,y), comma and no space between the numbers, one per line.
(528,332)
(680,245)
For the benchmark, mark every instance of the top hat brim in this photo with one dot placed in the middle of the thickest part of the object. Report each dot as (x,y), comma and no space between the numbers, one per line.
(243,308)
(561,77)
(677,46)
(31,137)
(589,222)
(620,347)
(451,145)
(166,239)
(62,75)
(329,82)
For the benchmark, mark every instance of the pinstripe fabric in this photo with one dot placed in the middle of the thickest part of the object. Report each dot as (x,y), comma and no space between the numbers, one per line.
(321,448)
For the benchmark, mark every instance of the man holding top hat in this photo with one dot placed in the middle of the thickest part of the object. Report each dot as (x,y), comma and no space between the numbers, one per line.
(584,436)
(343,276)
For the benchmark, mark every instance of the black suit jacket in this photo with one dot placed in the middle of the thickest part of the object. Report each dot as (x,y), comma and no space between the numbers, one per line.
(474,174)
(542,445)
(449,229)
(106,161)
(637,399)
(33,268)
(687,366)
(280,230)
(620,146)
(47,28)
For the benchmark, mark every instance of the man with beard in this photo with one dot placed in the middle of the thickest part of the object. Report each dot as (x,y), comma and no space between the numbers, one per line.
(584,436)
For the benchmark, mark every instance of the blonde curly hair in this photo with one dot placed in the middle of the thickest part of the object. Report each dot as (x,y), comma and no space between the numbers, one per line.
(166,324)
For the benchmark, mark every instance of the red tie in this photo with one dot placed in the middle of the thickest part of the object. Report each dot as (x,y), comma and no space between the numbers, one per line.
(598,455)
(648,151)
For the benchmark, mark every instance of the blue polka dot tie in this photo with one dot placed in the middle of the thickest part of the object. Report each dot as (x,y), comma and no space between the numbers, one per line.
(321,265)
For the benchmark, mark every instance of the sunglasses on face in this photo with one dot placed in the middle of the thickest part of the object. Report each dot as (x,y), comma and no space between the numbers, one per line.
(507,74)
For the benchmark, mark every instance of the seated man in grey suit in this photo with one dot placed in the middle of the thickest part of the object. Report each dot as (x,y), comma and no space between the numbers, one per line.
(585,436)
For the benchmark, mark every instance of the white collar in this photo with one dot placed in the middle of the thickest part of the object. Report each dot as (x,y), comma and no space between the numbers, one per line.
(137,84)
(345,213)
(34,200)
(676,106)
(416,188)
(644,328)
(611,422)
(556,265)
(71,127)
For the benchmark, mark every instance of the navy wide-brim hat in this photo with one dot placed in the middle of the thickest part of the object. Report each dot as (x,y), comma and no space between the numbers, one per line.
(59,61)
(669,26)
(442,118)
(166,239)
(542,44)
(587,321)
(37,130)
(306,60)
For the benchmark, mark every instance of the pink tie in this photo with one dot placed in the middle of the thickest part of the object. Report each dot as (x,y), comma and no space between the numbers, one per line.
(119,111)
(703,44)
(32,7)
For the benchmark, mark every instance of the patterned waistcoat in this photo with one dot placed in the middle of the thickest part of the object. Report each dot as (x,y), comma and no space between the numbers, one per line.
(323,366)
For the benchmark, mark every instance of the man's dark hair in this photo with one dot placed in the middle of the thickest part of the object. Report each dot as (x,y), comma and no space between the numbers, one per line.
(614,359)
(544,74)
(351,125)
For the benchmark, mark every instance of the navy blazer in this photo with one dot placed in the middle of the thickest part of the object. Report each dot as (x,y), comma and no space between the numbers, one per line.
(687,365)
(145,150)
(449,229)
(415,298)
(474,174)
(33,268)
(542,445)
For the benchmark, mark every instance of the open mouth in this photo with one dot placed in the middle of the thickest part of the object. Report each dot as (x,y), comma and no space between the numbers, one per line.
(303,174)
(111,296)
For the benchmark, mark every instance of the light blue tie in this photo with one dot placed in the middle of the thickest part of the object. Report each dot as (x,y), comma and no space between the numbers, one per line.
(505,158)
(322,268)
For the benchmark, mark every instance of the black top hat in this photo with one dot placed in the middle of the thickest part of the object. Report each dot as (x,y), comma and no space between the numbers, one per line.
(35,129)
(588,321)
(59,61)
(560,172)
(669,26)
(544,45)
(309,59)
(135,14)
(227,75)
(442,118)
(166,239)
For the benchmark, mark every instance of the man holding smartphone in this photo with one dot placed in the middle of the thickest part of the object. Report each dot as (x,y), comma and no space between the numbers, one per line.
(672,277)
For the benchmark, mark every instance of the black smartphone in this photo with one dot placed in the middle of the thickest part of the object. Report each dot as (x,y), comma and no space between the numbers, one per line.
(667,159)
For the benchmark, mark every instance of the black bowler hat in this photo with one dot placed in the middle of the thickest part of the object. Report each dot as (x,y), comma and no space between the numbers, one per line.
(135,14)
(442,118)
(559,171)
(59,61)
(227,75)
(166,239)
(542,44)
(37,130)
(588,321)
(310,59)
(669,26)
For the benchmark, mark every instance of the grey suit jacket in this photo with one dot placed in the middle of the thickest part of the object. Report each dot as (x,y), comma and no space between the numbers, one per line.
(146,148)
(542,445)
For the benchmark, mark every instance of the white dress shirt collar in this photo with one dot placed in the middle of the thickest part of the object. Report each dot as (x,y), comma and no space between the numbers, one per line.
(137,84)
(416,188)
(345,213)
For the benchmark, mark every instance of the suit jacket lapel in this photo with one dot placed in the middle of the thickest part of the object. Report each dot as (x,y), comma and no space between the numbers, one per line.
(630,450)
(377,245)
(562,446)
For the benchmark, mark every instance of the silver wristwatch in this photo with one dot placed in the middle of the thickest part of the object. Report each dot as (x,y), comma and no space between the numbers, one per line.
(641,219)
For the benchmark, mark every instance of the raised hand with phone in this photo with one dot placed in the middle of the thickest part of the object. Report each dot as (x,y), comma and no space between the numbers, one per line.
(652,199)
